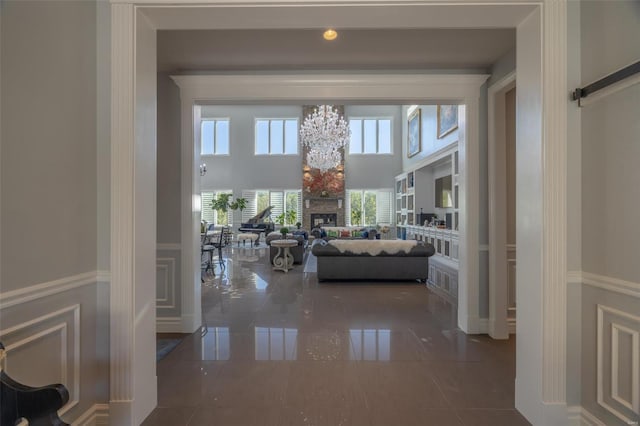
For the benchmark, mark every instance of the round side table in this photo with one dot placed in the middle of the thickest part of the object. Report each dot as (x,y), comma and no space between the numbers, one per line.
(283,261)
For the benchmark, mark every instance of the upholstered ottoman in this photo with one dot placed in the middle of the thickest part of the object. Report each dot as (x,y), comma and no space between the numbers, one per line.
(253,238)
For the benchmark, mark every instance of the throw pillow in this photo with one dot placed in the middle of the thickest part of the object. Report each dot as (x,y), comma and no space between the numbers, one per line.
(364,234)
(356,233)
(344,233)
(332,234)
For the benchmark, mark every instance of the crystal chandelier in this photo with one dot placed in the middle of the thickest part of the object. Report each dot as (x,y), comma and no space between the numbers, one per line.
(324,133)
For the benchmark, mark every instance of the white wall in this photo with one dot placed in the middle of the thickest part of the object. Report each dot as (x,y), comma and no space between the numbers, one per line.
(51,295)
(244,170)
(429,138)
(375,171)
(610,132)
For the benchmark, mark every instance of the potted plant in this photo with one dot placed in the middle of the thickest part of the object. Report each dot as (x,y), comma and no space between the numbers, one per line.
(239,204)
(290,216)
(221,202)
(298,225)
(284,231)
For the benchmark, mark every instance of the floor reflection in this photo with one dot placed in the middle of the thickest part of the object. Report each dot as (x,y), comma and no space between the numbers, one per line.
(282,349)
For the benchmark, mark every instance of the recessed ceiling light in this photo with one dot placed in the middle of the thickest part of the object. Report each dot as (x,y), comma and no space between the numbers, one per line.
(330,34)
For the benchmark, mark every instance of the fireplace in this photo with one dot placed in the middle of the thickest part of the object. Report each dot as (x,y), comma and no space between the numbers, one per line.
(320,219)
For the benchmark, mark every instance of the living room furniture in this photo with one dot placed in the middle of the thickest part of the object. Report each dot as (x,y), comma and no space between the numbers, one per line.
(389,260)
(296,251)
(283,260)
(248,236)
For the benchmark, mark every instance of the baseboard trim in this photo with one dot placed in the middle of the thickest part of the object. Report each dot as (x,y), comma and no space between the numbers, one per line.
(478,326)
(616,285)
(97,415)
(49,288)
(579,416)
(169,325)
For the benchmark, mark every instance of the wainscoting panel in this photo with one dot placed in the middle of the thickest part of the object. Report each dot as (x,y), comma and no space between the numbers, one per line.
(54,336)
(168,288)
(619,363)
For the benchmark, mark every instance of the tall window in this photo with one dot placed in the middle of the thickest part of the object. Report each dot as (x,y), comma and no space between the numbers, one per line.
(370,136)
(368,207)
(277,136)
(214,136)
(283,201)
(218,217)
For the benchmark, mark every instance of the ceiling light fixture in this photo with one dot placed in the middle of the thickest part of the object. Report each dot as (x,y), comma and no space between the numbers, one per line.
(324,133)
(330,34)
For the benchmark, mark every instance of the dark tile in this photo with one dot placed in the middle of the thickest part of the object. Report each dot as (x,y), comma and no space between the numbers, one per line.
(492,418)
(282,349)
(176,416)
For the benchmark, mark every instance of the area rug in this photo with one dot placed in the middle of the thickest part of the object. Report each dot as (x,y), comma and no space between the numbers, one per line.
(164,346)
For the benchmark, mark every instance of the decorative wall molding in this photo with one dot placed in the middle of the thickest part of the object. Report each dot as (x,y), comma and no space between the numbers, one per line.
(169,325)
(554,184)
(497,193)
(166,271)
(104,276)
(38,291)
(616,285)
(611,324)
(168,246)
(122,200)
(97,415)
(580,416)
(34,330)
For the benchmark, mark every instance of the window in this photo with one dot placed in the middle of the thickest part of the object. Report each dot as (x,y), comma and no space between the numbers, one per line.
(217,217)
(370,136)
(282,201)
(368,207)
(214,136)
(277,136)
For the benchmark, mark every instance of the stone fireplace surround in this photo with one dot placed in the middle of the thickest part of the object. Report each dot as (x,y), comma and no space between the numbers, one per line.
(320,219)
(323,206)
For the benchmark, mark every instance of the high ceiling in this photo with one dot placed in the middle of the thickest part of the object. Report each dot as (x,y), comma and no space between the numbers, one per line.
(355,49)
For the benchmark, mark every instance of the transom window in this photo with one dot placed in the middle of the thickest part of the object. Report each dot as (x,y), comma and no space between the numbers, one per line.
(277,136)
(214,136)
(370,136)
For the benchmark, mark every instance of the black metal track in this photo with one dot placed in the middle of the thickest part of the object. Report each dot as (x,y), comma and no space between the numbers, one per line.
(606,81)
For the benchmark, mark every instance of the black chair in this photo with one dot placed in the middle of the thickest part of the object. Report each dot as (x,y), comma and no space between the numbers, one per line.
(206,248)
(219,244)
(39,406)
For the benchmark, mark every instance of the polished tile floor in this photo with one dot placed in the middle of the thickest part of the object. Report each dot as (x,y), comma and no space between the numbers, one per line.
(280,349)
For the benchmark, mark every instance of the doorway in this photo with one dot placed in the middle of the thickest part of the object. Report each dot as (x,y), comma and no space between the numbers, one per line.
(502,207)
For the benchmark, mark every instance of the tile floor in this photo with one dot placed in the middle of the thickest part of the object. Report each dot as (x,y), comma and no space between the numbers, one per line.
(280,349)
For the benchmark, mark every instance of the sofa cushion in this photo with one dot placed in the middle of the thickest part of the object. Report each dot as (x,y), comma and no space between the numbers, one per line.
(370,248)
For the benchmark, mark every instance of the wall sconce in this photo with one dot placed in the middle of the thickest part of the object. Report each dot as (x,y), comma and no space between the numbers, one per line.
(203,169)
(306,203)
(339,203)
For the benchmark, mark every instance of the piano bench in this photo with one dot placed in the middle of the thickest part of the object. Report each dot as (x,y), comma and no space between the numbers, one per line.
(248,236)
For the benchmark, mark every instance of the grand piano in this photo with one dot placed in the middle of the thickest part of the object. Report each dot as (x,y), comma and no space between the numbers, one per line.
(258,223)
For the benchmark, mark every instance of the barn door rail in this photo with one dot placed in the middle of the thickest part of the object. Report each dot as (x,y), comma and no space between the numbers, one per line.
(618,80)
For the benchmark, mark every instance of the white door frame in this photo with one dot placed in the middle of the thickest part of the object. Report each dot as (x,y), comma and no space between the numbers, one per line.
(498,322)
(541,349)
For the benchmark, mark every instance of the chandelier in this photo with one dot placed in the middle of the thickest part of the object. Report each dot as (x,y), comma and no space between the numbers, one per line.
(324,133)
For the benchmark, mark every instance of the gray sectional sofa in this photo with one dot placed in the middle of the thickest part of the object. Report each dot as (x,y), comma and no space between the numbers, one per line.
(388,260)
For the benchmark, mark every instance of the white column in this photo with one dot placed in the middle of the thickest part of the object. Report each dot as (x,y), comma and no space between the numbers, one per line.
(122,186)
(554,253)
